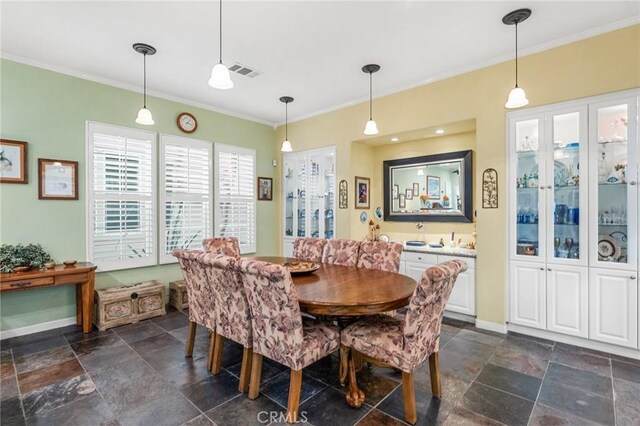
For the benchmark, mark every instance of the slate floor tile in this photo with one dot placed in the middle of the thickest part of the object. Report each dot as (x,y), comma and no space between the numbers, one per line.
(270,369)
(11,412)
(627,415)
(580,379)
(212,391)
(497,405)
(57,395)
(470,348)
(377,417)
(188,370)
(44,359)
(128,396)
(484,338)
(625,359)
(430,411)
(531,346)
(626,392)
(9,388)
(35,379)
(626,371)
(546,416)
(135,332)
(164,358)
(460,416)
(577,402)
(244,411)
(510,381)
(78,335)
(39,345)
(452,387)
(181,333)
(88,347)
(330,408)
(170,409)
(460,365)
(92,410)
(153,343)
(201,420)
(278,388)
(573,357)
(172,320)
(119,374)
(519,361)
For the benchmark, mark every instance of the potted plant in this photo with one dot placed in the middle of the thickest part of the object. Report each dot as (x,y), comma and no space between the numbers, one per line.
(19,258)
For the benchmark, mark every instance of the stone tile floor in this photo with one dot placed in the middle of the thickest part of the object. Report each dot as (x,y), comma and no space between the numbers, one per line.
(138,374)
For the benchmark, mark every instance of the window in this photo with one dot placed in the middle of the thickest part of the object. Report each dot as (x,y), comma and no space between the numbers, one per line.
(235,214)
(185,194)
(121,206)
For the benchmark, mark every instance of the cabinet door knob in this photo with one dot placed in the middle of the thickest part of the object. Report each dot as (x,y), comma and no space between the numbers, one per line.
(633,182)
(633,277)
(542,269)
(549,187)
(548,269)
(419,258)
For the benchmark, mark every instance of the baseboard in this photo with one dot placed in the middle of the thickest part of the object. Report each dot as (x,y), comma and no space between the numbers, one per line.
(576,341)
(492,326)
(461,317)
(36,328)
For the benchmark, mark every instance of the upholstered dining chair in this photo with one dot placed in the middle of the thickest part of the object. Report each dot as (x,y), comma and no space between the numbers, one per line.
(279,331)
(232,315)
(228,246)
(342,252)
(380,255)
(406,343)
(202,305)
(309,249)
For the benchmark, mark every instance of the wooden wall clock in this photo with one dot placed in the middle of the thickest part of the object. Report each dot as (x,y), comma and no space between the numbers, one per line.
(187,122)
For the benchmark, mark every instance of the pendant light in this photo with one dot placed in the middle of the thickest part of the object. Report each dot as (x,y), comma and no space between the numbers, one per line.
(286,145)
(144,115)
(220,77)
(371,128)
(517,97)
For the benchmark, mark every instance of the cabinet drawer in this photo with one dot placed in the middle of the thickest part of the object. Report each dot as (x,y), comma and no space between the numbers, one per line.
(26,283)
(470,261)
(71,279)
(421,257)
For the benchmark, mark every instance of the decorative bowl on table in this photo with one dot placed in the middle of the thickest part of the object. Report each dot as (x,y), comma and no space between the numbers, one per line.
(301,268)
(21,268)
(69,262)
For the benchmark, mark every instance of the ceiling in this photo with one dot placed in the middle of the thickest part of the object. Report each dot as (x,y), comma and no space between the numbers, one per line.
(311,50)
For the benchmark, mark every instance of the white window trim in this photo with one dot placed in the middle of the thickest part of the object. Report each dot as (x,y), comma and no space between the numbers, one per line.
(187,142)
(218,147)
(134,134)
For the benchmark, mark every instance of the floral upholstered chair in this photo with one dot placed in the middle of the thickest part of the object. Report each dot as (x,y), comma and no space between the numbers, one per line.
(342,252)
(406,343)
(309,249)
(380,255)
(233,318)
(228,246)
(200,295)
(279,331)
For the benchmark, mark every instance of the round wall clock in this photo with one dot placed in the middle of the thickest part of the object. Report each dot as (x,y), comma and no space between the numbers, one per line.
(187,122)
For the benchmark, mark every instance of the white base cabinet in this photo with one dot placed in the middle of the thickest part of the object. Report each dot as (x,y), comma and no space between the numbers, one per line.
(528,294)
(567,300)
(613,307)
(463,295)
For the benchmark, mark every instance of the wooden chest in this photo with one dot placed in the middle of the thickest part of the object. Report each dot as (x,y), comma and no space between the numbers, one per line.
(128,304)
(178,297)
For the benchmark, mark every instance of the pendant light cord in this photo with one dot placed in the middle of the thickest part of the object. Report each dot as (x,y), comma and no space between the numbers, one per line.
(516,53)
(286,121)
(144,67)
(370,96)
(220,31)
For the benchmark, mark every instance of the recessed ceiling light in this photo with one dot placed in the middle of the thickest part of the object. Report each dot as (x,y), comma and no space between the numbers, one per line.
(440,132)
(394,139)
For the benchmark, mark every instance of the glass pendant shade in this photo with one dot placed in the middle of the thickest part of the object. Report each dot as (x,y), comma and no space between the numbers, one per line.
(420,172)
(371,128)
(286,146)
(517,98)
(220,77)
(144,117)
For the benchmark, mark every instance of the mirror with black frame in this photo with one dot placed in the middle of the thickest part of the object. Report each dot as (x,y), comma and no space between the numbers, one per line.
(431,188)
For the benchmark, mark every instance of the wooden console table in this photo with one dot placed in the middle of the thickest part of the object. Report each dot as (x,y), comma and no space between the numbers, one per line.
(83,275)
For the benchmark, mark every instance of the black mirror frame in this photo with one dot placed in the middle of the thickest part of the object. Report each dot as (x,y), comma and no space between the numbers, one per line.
(467,216)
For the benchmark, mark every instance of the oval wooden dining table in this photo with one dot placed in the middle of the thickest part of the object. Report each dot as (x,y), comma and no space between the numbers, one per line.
(347,293)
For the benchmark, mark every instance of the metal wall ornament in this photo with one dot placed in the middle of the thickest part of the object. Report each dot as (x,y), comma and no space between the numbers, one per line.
(343,197)
(490,189)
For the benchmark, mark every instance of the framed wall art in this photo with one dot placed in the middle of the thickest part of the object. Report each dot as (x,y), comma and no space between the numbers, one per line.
(490,189)
(343,195)
(13,161)
(265,189)
(362,192)
(408,194)
(416,189)
(401,201)
(396,191)
(433,187)
(57,179)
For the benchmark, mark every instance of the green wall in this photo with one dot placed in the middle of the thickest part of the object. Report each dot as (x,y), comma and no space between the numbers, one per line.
(49,110)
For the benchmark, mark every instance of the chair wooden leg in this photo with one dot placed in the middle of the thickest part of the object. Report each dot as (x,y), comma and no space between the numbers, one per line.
(295,386)
(256,372)
(409,395)
(191,337)
(434,372)
(245,370)
(212,349)
(216,363)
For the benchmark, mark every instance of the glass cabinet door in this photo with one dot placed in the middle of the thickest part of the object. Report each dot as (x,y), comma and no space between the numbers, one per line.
(314,194)
(567,168)
(290,196)
(614,184)
(529,178)
(329,189)
(302,194)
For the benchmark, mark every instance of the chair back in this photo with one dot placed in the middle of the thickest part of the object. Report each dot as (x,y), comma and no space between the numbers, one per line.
(201,301)
(309,249)
(426,308)
(380,255)
(228,246)
(233,318)
(342,252)
(275,313)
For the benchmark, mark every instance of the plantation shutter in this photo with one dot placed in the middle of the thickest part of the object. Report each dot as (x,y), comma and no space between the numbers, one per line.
(121,216)
(235,195)
(185,194)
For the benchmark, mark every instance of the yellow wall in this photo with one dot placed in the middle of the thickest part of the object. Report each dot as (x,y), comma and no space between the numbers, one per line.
(606,63)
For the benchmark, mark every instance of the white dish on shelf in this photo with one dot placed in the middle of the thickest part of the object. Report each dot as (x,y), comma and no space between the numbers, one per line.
(608,248)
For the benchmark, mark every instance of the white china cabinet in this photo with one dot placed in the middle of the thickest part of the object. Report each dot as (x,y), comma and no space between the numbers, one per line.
(573,201)
(309,201)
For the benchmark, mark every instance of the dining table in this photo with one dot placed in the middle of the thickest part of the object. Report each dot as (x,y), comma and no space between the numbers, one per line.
(346,294)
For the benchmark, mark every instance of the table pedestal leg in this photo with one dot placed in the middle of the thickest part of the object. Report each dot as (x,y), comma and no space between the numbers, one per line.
(88,288)
(355,397)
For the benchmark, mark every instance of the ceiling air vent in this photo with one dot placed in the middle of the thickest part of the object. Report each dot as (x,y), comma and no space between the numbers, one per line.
(244,70)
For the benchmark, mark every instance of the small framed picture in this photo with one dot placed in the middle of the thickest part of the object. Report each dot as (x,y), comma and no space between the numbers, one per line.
(401,202)
(416,189)
(408,194)
(362,192)
(13,161)
(265,189)
(57,179)
(433,187)
(396,191)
